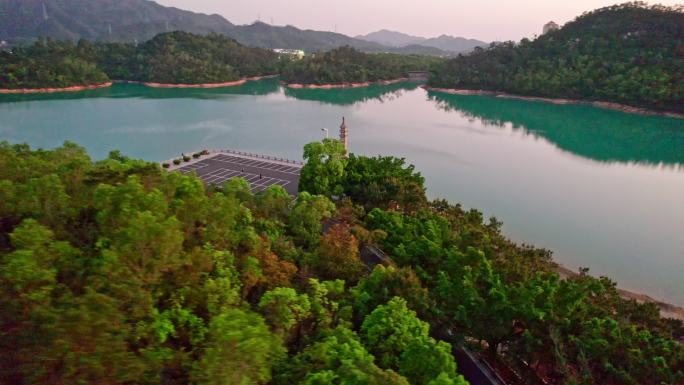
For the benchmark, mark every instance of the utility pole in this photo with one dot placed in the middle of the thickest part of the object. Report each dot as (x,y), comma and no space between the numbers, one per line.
(45,26)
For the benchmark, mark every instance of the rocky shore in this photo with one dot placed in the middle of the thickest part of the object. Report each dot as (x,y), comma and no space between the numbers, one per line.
(608,105)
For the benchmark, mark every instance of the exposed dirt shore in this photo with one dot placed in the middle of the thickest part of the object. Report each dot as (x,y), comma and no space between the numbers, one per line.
(608,105)
(53,90)
(148,84)
(343,85)
(205,85)
(667,310)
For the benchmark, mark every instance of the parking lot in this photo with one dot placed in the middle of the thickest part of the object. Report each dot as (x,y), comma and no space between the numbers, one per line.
(216,169)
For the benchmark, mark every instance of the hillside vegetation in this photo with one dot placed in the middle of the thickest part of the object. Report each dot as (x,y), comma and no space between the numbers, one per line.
(100,20)
(631,54)
(48,64)
(348,65)
(117,272)
(129,21)
(176,57)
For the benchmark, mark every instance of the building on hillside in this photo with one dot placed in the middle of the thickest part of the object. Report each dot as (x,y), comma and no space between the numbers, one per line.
(295,54)
(3,44)
(550,26)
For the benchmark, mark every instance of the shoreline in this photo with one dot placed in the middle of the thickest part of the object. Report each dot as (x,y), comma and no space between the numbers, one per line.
(202,85)
(50,90)
(343,85)
(607,105)
(667,310)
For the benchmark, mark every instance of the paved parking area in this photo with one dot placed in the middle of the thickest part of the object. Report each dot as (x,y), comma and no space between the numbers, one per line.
(260,173)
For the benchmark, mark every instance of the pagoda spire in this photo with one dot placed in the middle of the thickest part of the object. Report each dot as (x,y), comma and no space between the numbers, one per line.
(45,13)
(344,136)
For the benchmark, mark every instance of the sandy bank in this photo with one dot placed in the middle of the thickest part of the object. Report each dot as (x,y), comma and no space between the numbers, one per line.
(200,85)
(608,105)
(343,85)
(53,90)
(667,310)
(203,85)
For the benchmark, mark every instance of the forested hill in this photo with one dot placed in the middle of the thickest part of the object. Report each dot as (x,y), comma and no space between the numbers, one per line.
(631,54)
(176,57)
(108,20)
(348,65)
(130,20)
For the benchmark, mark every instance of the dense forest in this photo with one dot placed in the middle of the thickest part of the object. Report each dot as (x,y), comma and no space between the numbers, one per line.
(117,272)
(48,64)
(184,58)
(176,57)
(348,65)
(631,54)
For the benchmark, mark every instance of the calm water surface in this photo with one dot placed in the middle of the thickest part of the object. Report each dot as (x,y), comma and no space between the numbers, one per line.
(600,188)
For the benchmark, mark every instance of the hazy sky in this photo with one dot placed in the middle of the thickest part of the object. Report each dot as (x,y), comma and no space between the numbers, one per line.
(481,19)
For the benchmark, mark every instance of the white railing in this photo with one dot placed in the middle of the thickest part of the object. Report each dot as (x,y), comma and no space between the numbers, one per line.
(226,151)
(251,155)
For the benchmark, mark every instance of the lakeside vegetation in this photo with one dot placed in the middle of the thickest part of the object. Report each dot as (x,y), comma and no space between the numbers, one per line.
(184,58)
(174,58)
(631,54)
(348,65)
(119,272)
(48,64)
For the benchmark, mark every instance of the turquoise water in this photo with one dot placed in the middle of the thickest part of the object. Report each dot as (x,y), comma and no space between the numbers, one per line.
(602,189)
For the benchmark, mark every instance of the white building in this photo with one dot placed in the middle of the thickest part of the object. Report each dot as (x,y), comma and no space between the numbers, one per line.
(550,26)
(292,53)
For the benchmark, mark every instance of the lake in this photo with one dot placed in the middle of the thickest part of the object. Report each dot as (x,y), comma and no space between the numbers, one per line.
(602,189)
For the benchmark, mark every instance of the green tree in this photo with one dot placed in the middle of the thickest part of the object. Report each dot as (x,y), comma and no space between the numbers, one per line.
(305,222)
(389,330)
(284,308)
(239,350)
(324,169)
(383,182)
(338,359)
(384,283)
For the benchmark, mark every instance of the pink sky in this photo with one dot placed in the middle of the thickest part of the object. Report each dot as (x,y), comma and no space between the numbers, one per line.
(481,19)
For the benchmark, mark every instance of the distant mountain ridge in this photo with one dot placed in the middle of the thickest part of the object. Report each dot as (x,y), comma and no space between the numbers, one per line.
(110,20)
(22,21)
(444,42)
(392,38)
(267,36)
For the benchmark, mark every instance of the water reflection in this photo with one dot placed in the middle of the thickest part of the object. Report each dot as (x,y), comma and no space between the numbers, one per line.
(351,96)
(599,134)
